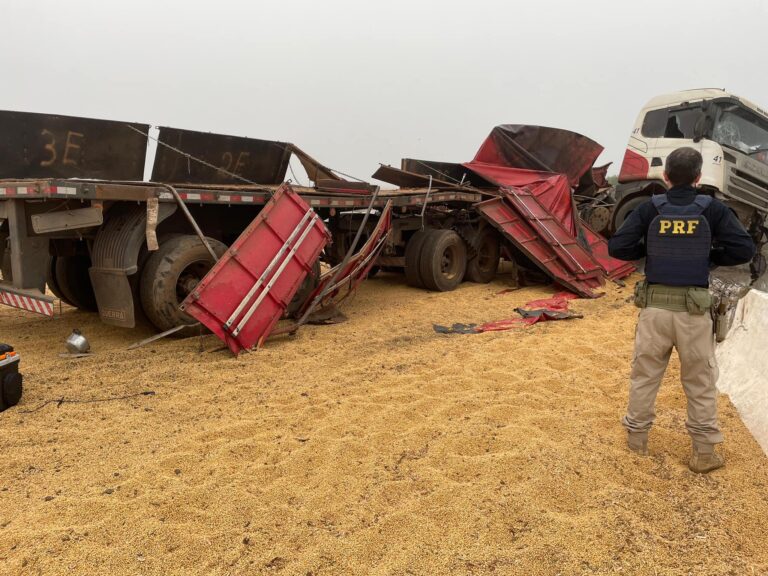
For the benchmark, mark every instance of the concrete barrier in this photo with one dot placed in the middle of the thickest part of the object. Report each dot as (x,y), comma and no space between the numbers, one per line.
(743,362)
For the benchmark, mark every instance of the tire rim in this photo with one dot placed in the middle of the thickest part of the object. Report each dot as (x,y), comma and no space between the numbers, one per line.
(449,262)
(190,277)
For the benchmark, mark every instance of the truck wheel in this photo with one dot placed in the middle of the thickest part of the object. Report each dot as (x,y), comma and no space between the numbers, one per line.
(443,260)
(413,259)
(50,279)
(170,274)
(311,281)
(624,209)
(483,266)
(74,283)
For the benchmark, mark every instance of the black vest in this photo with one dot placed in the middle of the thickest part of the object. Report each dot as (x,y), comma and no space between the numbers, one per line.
(678,243)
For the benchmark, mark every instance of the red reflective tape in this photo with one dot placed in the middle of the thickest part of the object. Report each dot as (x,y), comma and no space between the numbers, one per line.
(38,308)
(27,303)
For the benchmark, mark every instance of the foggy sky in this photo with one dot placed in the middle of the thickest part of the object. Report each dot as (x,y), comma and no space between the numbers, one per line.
(355,83)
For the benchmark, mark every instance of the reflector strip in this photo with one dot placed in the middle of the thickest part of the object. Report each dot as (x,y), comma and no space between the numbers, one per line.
(28,303)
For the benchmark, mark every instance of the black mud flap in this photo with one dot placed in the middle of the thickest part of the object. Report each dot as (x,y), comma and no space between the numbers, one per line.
(114,296)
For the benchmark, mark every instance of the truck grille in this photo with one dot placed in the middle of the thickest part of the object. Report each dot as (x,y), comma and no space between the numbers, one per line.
(747,189)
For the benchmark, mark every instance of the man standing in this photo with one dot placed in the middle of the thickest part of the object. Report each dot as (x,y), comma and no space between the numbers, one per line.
(680,233)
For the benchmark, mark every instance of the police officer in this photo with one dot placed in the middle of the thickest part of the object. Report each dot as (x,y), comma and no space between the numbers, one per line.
(682,234)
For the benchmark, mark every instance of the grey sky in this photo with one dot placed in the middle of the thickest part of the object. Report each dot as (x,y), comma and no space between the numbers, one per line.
(355,83)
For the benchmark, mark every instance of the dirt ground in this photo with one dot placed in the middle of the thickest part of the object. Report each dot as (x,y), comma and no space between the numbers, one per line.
(371,447)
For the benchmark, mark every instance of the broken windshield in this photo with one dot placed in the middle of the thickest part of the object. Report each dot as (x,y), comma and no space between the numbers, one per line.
(742,130)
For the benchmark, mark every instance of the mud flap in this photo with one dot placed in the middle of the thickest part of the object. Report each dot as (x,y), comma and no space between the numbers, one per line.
(113,296)
(115,257)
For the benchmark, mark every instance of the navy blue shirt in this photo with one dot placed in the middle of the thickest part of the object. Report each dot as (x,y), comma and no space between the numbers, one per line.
(731,243)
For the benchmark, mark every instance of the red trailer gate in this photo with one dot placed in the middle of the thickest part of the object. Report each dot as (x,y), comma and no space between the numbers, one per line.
(247,291)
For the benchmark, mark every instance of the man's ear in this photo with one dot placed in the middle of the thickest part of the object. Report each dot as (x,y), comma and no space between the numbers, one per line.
(666,178)
(696,181)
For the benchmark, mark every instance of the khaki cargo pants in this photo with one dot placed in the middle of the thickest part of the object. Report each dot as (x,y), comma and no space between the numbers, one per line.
(659,330)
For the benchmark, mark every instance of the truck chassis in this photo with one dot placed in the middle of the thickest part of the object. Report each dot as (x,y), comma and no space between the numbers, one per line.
(89,241)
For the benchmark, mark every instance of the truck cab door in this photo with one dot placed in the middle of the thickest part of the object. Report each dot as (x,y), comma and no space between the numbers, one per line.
(682,127)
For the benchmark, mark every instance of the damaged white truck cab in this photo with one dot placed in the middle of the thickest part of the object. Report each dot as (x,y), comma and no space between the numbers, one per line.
(732,135)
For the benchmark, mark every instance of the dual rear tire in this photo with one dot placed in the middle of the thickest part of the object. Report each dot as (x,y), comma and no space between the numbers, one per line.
(438,259)
(484,264)
(167,277)
(67,277)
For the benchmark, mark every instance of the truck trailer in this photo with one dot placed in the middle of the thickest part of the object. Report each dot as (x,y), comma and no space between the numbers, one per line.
(78,223)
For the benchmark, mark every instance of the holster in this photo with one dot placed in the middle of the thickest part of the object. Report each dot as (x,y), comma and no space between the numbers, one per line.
(720,322)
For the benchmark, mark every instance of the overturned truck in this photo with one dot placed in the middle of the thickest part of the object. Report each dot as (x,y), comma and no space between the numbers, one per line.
(525,178)
(78,224)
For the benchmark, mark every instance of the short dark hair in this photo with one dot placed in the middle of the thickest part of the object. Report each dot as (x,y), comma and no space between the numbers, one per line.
(683,166)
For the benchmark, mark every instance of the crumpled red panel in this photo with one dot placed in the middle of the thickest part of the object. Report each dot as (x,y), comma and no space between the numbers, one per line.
(558,302)
(540,148)
(553,308)
(551,190)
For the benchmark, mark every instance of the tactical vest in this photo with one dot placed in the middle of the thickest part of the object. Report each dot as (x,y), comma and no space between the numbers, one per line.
(678,243)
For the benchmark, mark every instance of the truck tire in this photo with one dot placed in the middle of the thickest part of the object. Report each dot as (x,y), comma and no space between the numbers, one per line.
(73,281)
(624,208)
(413,259)
(443,260)
(170,274)
(483,266)
(50,280)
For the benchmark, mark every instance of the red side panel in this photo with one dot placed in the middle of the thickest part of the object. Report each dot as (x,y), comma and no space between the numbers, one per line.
(247,291)
(572,255)
(634,167)
(613,268)
(552,190)
(505,216)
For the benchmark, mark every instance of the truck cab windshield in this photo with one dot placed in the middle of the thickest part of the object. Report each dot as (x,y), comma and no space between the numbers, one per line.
(742,130)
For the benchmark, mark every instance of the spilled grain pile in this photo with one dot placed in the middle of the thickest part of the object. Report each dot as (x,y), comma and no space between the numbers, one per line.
(370,447)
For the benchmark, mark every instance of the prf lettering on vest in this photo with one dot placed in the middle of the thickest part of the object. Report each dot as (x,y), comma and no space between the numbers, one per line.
(678,226)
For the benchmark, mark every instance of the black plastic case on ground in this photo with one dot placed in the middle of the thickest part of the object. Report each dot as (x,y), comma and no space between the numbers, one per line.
(10,379)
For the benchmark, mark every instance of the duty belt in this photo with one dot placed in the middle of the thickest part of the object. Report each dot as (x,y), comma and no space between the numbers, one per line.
(668,297)
(692,299)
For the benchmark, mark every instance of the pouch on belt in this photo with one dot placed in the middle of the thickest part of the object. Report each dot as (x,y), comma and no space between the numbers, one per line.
(698,301)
